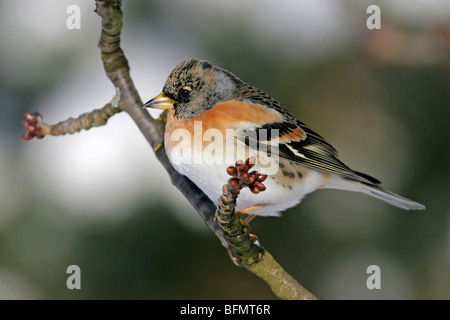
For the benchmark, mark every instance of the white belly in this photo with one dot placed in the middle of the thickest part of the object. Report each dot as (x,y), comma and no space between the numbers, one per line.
(211,177)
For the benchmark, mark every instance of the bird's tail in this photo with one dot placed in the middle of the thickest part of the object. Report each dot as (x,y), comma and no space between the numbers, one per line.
(389,197)
(366,184)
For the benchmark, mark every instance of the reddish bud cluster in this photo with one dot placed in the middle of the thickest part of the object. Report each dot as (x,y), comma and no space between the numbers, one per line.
(33,123)
(242,178)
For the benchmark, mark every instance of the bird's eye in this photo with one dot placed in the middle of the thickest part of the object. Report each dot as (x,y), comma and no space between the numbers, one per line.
(184,93)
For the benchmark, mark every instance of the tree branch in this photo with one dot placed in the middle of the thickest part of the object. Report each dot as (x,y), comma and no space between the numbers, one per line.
(221,219)
(117,70)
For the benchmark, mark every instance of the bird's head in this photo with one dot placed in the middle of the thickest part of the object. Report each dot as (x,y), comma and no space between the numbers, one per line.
(193,87)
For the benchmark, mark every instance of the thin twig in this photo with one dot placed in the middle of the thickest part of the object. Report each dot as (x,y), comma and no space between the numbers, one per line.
(36,128)
(245,249)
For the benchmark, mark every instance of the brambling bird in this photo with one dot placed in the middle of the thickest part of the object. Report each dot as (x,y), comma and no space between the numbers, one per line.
(205,102)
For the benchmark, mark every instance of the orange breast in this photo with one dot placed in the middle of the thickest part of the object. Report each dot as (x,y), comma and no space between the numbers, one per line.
(225,115)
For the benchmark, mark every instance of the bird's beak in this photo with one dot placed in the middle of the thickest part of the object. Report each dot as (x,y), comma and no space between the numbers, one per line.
(161,101)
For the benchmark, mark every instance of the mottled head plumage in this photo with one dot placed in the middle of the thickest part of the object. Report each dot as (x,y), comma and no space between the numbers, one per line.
(197,85)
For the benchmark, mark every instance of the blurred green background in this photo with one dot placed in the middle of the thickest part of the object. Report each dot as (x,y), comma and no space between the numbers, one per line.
(100,200)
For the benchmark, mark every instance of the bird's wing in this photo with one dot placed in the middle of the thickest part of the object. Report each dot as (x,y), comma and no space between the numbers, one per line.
(295,141)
